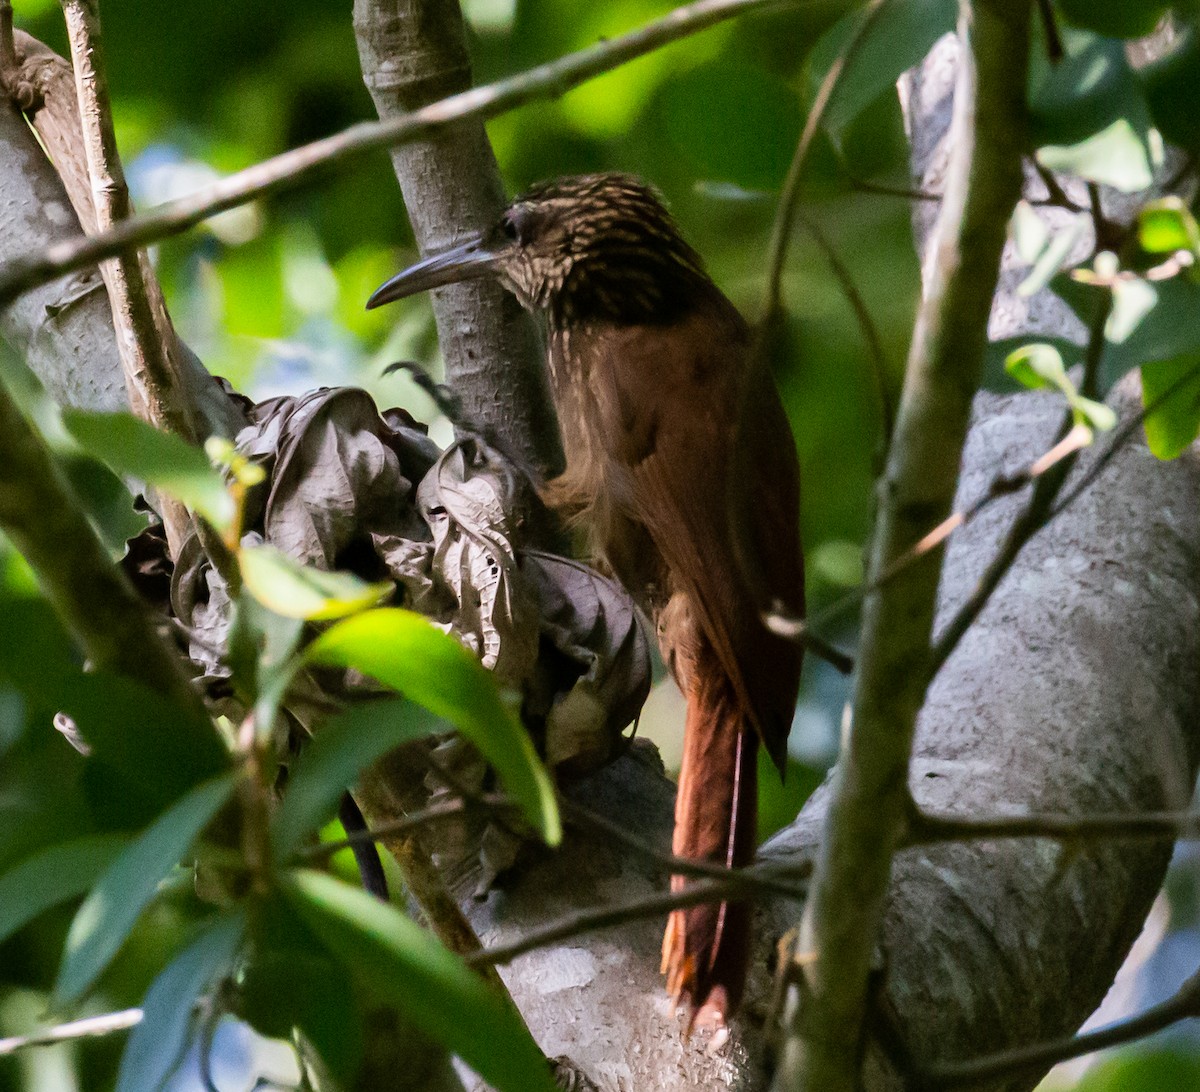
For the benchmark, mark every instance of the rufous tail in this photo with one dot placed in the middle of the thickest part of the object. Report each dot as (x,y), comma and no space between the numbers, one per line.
(706,949)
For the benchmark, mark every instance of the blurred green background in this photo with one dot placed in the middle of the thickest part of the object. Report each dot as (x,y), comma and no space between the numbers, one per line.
(271,296)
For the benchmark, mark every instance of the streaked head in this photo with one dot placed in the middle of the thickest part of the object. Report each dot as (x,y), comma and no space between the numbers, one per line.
(590,247)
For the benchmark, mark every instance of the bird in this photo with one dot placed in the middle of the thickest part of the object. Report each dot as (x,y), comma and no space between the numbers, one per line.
(682,477)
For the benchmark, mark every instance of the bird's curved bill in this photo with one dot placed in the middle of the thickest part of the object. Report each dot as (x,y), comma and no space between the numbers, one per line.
(464,262)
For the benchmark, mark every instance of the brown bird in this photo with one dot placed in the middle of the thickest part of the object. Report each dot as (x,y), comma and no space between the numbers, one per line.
(682,470)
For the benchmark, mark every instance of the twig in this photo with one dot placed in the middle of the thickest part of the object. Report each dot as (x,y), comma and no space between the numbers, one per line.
(789,196)
(446,809)
(145,339)
(87,1028)
(929,828)
(772,882)
(1054,46)
(288,169)
(1183,1005)
(870,332)
(1121,437)
(884,190)
(1003,485)
(585,921)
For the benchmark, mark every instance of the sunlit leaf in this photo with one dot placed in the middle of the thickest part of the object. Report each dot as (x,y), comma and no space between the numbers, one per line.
(1174,425)
(159,1043)
(116,901)
(130,446)
(996,376)
(407,967)
(285,586)
(1167,225)
(408,653)
(52,876)
(1037,366)
(1116,156)
(1029,232)
(342,749)
(1133,299)
(1054,254)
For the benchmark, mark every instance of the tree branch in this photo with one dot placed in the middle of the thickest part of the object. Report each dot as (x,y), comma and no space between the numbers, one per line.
(866,815)
(302,164)
(144,337)
(412,54)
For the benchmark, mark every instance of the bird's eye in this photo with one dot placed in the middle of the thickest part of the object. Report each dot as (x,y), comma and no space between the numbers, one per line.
(509,227)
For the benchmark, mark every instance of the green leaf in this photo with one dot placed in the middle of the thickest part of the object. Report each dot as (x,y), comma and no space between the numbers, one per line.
(900,37)
(1174,425)
(341,750)
(132,447)
(1096,415)
(408,653)
(1172,89)
(996,376)
(1116,156)
(293,981)
(52,876)
(158,1044)
(407,967)
(129,883)
(1054,254)
(1167,225)
(1115,18)
(1038,366)
(1167,331)
(746,130)
(1086,92)
(294,590)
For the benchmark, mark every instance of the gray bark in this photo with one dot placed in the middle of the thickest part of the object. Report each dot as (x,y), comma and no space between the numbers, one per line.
(63,328)
(412,53)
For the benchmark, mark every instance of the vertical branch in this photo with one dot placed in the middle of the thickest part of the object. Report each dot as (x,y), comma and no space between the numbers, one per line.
(867,811)
(144,336)
(414,52)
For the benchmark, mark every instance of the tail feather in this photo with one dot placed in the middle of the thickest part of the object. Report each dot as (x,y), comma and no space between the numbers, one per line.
(706,949)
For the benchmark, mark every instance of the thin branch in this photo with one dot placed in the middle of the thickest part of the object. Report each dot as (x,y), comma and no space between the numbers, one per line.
(781,230)
(290,168)
(868,798)
(870,332)
(446,809)
(884,190)
(1054,45)
(1183,1005)
(1122,436)
(145,339)
(88,1028)
(929,828)
(735,885)
(1002,485)
(772,882)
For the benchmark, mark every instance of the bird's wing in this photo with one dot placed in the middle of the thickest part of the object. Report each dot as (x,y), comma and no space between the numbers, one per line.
(686,417)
